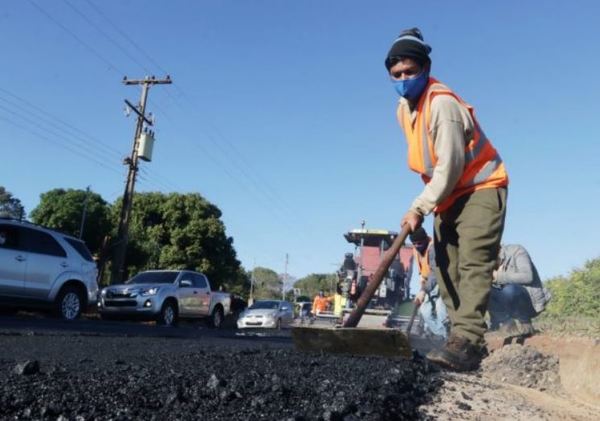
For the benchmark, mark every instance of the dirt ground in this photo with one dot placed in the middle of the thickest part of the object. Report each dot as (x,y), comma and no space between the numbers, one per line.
(546,378)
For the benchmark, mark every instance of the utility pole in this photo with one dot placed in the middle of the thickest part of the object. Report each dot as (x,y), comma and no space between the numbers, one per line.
(285,275)
(251,299)
(132,161)
(85,202)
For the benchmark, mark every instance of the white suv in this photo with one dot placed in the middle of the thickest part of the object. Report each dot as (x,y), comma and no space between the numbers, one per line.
(43,267)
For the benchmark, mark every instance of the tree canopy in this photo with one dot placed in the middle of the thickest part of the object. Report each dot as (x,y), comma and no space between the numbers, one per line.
(181,231)
(166,231)
(311,285)
(10,206)
(267,284)
(62,209)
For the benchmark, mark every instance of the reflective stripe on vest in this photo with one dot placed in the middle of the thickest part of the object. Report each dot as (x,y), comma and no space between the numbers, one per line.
(481,159)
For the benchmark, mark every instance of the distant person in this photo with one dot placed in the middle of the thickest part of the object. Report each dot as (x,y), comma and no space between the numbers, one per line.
(320,303)
(2,238)
(304,310)
(517,293)
(347,275)
(431,306)
(339,301)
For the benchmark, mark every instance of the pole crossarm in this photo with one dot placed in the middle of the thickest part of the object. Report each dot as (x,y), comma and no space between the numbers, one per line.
(148,80)
(135,110)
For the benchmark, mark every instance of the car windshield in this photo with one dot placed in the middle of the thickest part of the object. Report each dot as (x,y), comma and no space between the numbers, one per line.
(265,305)
(166,277)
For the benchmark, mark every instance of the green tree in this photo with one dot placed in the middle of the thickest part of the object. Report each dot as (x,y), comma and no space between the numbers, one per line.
(181,231)
(10,206)
(62,209)
(577,295)
(239,285)
(267,284)
(311,285)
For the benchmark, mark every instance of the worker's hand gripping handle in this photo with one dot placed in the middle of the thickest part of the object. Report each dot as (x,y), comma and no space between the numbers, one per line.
(376,278)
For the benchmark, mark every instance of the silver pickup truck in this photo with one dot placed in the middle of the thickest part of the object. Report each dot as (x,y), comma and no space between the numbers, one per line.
(165,296)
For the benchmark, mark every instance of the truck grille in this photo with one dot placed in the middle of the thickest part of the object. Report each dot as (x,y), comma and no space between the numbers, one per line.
(116,294)
(121,303)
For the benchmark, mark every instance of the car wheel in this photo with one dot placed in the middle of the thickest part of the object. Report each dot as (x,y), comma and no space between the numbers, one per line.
(168,314)
(216,319)
(69,303)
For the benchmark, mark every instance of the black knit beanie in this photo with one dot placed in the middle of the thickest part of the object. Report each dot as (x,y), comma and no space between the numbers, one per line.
(408,44)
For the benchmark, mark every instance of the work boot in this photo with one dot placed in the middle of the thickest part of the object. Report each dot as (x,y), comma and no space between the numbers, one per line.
(458,354)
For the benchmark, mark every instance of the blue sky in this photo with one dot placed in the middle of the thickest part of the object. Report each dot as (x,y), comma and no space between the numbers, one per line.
(281,112)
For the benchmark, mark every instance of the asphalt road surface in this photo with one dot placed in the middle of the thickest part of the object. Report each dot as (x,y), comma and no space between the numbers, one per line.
(39,324)
(97,370)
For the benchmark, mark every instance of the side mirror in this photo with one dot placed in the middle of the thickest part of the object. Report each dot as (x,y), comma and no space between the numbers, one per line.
(185,283)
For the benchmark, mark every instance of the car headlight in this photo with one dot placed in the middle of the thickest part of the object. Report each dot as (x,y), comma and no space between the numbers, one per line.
(148,292)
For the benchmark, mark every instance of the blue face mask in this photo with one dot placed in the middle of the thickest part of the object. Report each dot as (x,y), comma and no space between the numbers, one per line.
(412,88)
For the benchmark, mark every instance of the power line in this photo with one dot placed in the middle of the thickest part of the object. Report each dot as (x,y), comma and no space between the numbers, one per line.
(67,147)
(107,150)
(112,41)
(166,184)
(79,40)
(267,204)
(83,143)
(261,184)
(136,46)
(110,64)
(246,164)
(75,148)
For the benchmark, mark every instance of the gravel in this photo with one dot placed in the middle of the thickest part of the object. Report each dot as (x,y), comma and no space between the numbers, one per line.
(84,378)
(523,366)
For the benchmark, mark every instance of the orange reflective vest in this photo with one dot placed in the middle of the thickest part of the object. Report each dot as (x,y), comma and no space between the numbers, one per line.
(483,166)
(320,304)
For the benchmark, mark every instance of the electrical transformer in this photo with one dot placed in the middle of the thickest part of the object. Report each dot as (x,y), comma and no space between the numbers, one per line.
(145,146)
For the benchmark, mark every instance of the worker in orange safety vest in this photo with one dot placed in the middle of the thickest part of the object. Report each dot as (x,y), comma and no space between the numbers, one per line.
(320,303)
(465,187)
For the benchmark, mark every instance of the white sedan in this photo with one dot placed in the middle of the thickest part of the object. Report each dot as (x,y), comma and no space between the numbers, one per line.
(266,314)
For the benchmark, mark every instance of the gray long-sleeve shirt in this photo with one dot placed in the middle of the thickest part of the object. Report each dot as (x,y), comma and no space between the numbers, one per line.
(451,130)
(516,267)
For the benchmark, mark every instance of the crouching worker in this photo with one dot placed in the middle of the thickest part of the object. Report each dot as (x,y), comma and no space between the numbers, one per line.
(517,293)
(431,306)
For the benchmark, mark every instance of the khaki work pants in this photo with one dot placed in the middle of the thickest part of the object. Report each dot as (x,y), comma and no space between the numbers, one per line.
(467,241)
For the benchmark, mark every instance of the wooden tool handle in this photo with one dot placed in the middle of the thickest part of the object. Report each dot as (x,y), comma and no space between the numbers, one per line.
(376,278)
(412,319)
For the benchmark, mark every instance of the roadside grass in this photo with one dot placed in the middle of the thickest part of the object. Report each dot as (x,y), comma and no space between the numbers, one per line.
(568,326)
